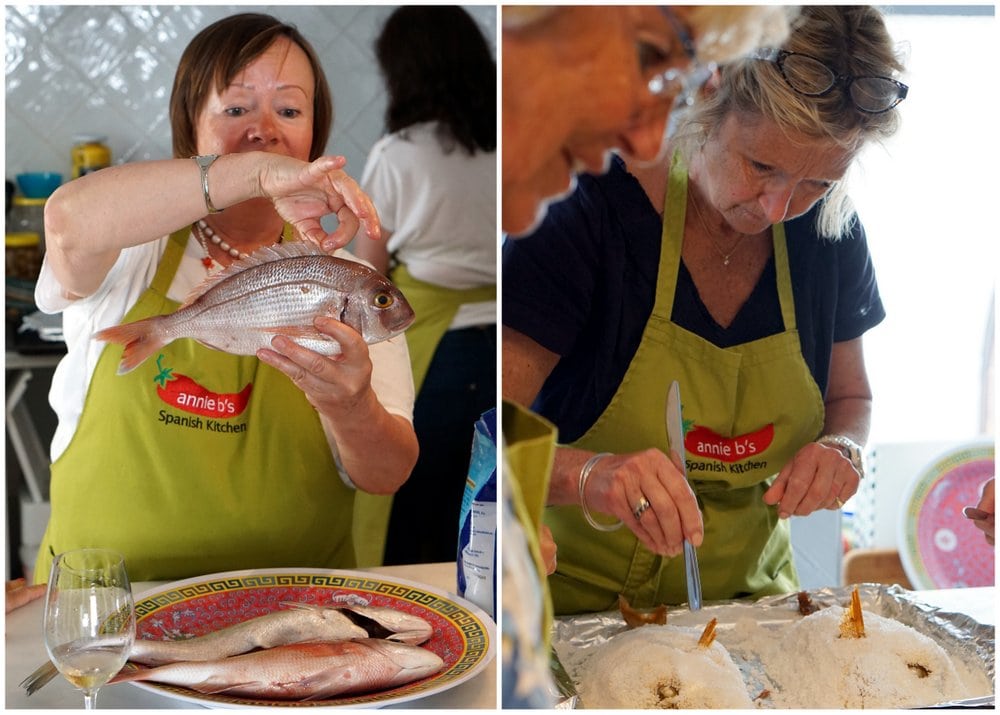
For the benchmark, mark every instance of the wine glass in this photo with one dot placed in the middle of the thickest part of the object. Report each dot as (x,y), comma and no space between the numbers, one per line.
(89,618)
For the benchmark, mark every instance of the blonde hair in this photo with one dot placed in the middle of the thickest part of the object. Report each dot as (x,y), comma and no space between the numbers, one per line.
(725,32)
(852,40)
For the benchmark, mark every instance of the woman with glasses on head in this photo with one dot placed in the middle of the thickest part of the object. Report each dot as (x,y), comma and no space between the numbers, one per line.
(579,81)
(738,268)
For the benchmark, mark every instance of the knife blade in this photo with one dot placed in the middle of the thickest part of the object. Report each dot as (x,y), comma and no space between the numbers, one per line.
(675,434)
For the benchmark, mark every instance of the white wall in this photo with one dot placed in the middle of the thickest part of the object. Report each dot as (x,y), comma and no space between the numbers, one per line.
(109,69)
(928,200)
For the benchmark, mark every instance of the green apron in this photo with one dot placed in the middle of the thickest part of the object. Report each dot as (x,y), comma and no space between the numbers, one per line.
(529,450)
(747,410)
(197,462)
(435,308)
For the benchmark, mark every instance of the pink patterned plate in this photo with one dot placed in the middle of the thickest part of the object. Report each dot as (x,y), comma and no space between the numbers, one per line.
(938,545)
(464,636)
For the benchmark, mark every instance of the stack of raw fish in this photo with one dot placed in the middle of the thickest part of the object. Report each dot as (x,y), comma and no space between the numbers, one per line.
(304,652)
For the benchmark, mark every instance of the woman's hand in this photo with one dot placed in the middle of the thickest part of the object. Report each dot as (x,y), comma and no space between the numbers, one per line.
(377,449)
(547,546)
(302,195)
(617,485)
(19,593)
(335,384)
(815,478)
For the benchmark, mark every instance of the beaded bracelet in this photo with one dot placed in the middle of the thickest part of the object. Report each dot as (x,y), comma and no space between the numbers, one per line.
(584,476)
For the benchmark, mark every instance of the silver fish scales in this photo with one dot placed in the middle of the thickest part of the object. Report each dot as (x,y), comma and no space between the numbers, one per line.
(303,671)
(279,290)
(297,623)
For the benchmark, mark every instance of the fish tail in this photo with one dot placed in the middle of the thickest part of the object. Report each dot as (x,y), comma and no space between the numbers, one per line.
(128,674)
(141,339)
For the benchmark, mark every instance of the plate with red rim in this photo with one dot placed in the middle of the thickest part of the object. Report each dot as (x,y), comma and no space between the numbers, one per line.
(938,546)
(464,636)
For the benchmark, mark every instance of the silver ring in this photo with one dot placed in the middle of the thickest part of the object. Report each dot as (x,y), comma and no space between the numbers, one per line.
(641,508)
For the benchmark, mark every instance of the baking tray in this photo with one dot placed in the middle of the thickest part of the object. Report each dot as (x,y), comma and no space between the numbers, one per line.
(969,643)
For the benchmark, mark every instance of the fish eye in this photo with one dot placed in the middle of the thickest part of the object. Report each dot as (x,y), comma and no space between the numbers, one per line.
(383,300)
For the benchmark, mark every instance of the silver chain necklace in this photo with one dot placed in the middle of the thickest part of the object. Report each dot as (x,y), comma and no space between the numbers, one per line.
(708,234)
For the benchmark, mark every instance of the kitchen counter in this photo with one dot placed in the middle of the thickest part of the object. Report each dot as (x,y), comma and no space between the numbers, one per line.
(25,650)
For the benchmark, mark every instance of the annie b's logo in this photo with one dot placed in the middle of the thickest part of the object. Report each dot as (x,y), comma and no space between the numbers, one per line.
(185,394)
(702,442)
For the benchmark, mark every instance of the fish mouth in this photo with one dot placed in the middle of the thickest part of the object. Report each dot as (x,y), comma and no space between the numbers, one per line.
(370,625)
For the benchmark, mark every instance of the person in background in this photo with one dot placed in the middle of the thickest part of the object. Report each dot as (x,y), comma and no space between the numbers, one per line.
(577,83)
(739,269)
(271,483)
(433,180)
(983,515)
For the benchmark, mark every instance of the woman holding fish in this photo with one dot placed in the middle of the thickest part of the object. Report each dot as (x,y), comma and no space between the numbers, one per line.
(738,269)
(185,458)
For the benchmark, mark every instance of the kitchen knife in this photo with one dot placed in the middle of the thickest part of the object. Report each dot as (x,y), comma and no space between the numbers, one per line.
(675,433)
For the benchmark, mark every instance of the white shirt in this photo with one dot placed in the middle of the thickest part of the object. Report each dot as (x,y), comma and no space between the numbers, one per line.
(130,276)
(441,209)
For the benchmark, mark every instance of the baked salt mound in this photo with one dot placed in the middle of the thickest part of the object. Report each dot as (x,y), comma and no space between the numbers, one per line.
(661,667)
(893,666)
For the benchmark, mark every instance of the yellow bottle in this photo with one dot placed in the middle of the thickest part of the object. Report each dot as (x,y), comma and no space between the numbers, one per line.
(90,153)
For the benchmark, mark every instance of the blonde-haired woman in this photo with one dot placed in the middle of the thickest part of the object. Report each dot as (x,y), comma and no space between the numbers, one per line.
(737,268)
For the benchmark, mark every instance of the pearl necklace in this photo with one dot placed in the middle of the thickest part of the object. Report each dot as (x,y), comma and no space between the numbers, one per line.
(203,230)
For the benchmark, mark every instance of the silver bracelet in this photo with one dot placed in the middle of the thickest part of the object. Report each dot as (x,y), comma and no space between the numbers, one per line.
(203,163)
(584,476)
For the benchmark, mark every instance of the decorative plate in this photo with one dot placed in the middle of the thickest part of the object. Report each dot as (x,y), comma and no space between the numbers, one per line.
(464,636)
(938,545)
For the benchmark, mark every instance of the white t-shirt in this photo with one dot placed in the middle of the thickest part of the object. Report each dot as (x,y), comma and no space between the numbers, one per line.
(441,209)
(130,276)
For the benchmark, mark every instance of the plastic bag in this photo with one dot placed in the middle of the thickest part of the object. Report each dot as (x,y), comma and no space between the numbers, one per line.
(477,525)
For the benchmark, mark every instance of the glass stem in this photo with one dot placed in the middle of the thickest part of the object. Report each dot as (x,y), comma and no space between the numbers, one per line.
(90,699)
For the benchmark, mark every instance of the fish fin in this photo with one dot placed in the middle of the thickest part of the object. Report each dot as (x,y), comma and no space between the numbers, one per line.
(301,606)
(140,339)
(411,637)
(265,254)
(324,687)
(208,689)
(297,331)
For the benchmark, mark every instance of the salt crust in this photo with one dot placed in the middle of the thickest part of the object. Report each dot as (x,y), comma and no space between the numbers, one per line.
(802,665)
(661,667)
(893,666)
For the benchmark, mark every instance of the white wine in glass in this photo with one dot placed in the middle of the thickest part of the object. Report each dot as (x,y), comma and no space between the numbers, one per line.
(89,618)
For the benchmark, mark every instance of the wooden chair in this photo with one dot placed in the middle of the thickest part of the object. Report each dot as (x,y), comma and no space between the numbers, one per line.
(874,566)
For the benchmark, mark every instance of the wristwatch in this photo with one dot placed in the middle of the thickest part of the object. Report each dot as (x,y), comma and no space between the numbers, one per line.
(851,449)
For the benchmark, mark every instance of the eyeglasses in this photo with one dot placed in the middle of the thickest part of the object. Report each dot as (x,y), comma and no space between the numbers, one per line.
(678,83)
(809,76)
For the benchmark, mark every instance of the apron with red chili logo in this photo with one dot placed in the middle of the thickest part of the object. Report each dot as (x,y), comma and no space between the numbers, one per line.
(196,462)
(747,409)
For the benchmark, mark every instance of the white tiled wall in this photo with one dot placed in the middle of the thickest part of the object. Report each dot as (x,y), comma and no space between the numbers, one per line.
(109,69)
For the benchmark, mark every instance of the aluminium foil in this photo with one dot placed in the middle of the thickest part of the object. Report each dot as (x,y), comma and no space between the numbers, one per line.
(969,643)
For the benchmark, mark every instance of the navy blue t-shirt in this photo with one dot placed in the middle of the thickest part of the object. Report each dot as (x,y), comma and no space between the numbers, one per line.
(583,286)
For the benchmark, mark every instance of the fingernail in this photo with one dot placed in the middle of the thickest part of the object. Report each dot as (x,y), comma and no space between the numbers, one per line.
(697,539)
